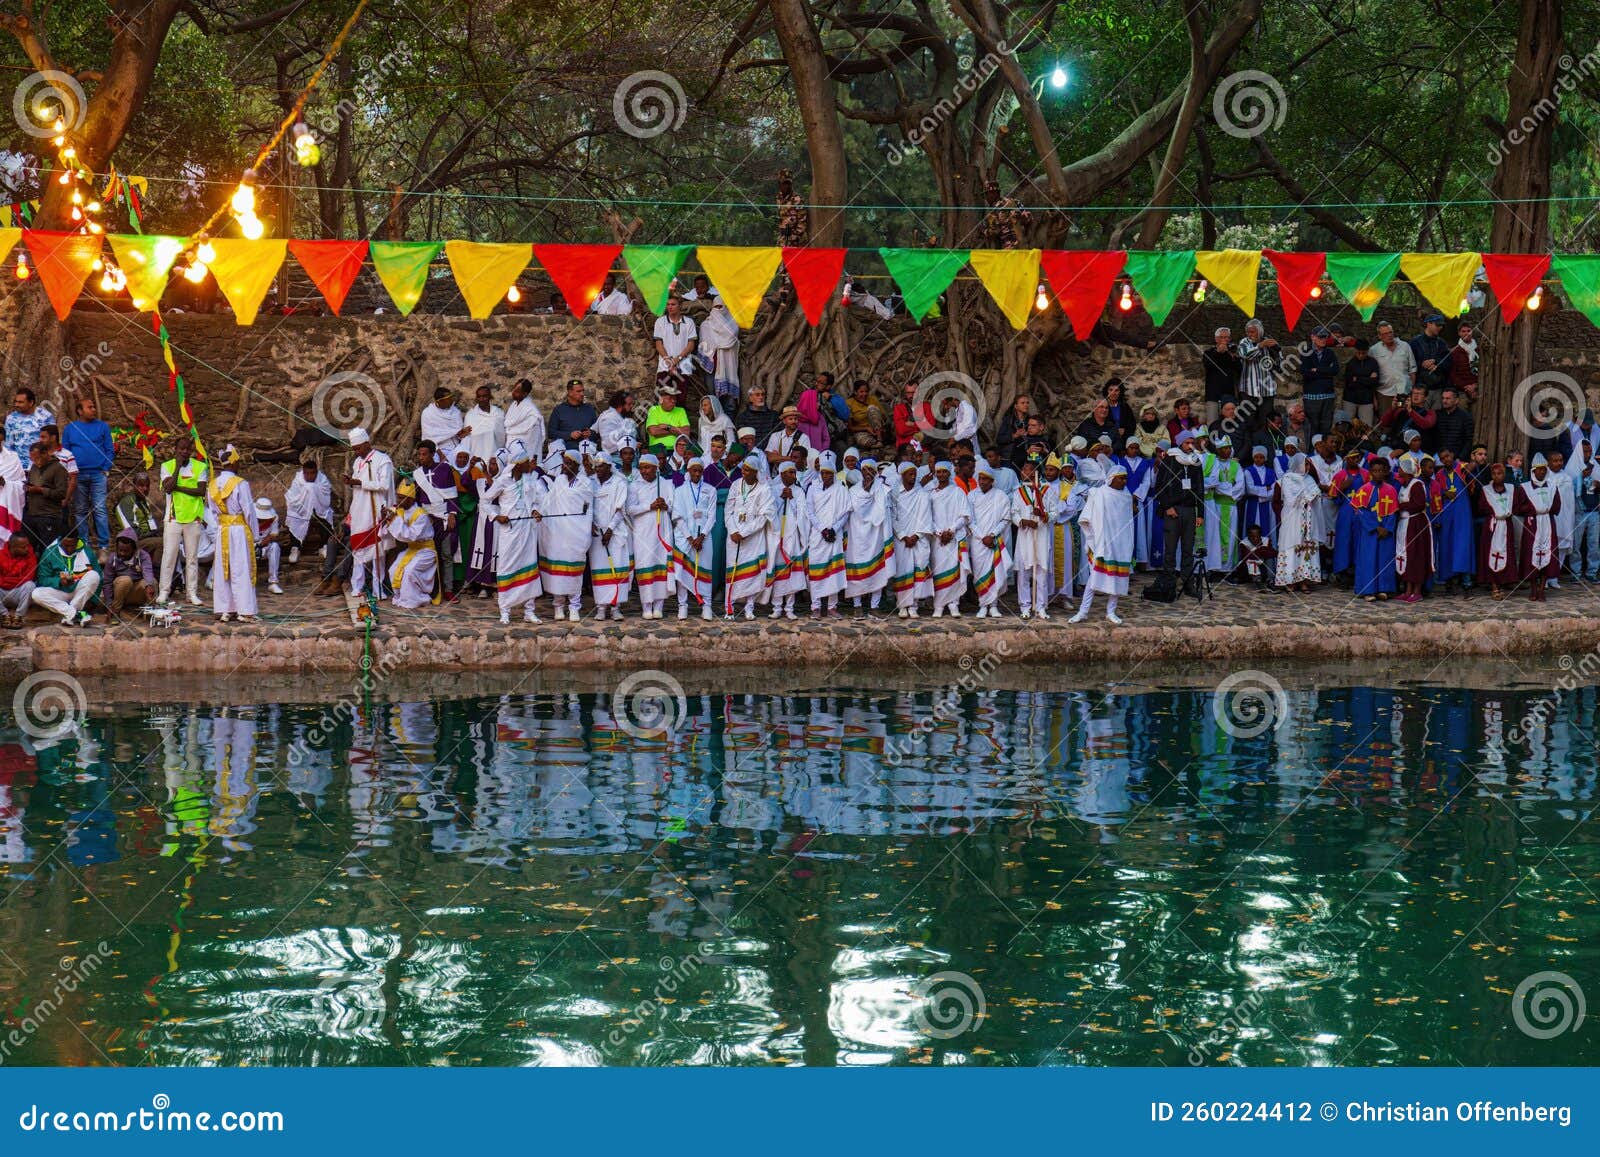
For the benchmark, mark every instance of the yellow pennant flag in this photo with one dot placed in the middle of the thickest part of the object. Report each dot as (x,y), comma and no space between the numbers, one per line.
(1443,278)
(244,270)
(485,270)
(741,275)
(1012,278)
(1234,271)
(8,241)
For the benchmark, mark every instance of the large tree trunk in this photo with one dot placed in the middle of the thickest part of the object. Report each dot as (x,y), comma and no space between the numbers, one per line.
(1521,219)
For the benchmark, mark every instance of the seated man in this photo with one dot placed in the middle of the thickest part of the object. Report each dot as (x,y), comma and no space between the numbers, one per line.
(130,576)
(18,564)
(67,580)
(1257,560)
(133,511)
(868,425)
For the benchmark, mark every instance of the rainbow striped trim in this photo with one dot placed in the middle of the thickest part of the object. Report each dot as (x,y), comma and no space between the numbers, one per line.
(946,579)
(556,567)
(650,575)
(986,583)
(748,570)
(831,566)
(520,578)
(1113,567)
(612,577)
(902,582)
(695,572)
(863,570)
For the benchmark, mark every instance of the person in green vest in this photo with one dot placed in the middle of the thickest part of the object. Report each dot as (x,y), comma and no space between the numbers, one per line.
(667,420)
(1224,492)
(67,580)
(184,479)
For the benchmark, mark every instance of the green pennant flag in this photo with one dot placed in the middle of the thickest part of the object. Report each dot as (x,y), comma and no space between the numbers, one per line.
(1579,275)
(403,268)
(146,260)
(652,268)
(1159,278)
(923,274)
(1363,278)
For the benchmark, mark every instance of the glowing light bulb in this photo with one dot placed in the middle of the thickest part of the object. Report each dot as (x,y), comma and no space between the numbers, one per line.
(1127,297)
(1464,306)
(252,227)
(204,254)
(1058,77)
(93,207)
(68,153)
(195,272)
(98,265)
(23,272)
(106,284)
(65,177)
(119,279)
(96,228)
(61,125)
(77,213)
(844,298)
(1536,300)
(1316,292)
(244,200)
(1041,302)
(513,295)
(1200,292)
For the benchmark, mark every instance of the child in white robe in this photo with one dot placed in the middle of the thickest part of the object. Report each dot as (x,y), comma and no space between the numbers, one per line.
(611,544)
(786,541)
(869,538)
(912,516)
(748,516)
(991,558)
(827,514)
(694,516)
(650,519)
(516,493)
(1031,511)
(952,517)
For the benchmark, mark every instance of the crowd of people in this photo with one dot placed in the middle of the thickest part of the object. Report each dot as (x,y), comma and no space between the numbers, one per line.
(839,501)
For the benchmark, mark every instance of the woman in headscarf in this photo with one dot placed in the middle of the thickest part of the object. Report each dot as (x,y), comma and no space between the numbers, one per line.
(714,421)
(1150,430)
(1299,530)
(678,461)
(812,423)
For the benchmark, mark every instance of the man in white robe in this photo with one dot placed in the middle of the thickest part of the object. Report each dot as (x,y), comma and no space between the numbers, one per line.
(650,518)
(1032,514)
(486,426)
(1224,492)
(442,423)
(310,496)
(694,518)
(234,594)
(1566,517)
(611,547)
(827,514)
(912,517)
(951,517)
(991,559)
(787,541)
(869,538)
(748,517)
(371,482)
(414,570)
(565,525)
(524,421)
(1107,525)
(515,497)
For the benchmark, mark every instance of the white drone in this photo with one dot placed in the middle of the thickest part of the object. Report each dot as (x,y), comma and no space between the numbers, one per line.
(163,615)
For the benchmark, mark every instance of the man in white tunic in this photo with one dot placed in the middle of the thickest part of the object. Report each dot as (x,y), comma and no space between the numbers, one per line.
(1107,525)
(611,547)
(486,426)
(564,533)
(515,497)
(235,575)
(748,516)
(870,538)
(650,515)
(267,541)
(787,541)
(827,513)
(371,482)
(952,518)
(1031,512)
(309,496)
(442,423)
(912,515)
(694,517)
(414,569)
(524,421)
(991,559)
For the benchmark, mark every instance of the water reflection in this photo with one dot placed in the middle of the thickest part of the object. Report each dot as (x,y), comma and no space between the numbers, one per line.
(525,880)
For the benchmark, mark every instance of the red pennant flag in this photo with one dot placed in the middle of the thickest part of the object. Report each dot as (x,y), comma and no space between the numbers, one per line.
(1082,280)
(815,274)
(333,266)
(1298,274)
(64,261)
(579,271)
(1514,277)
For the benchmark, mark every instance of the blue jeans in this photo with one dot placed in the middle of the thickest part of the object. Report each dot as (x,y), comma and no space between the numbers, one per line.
(1586,541)
(91,491)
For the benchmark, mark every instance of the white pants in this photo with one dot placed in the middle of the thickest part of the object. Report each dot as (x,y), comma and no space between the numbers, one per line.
(1088,601)
(57,601)
(171,533)
(1033,587)
(272,552)
(17,598)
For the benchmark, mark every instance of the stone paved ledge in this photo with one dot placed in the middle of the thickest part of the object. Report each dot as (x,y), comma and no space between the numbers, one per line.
(300,634)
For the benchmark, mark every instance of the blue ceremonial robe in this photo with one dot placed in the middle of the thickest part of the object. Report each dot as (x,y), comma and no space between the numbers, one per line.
(1452,528)
(1375,556)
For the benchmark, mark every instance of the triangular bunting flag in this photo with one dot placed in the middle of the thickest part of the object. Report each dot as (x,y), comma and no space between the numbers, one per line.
(1442,278)
(1580,282)
(1159,278)
(244,270)
(333,266)
(1298,274)
(1234,271)
(815,274)
(923,274)
(653,268)
(1081,280)
(9,236)
(63,262)
(741,275)
(1363,278)
(1514,277)
(579,271)
(146,261)
(484,270)
(402,266)
(1012,278)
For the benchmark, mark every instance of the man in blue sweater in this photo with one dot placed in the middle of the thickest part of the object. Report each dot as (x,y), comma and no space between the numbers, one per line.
(89,440)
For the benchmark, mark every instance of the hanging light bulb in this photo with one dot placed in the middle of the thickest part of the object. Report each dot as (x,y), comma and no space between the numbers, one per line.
(1535,301)
(106,284)
(307,152)
(513,295)
(204,254)
(195,272)
(77,213)
(1316,292)
(23,272)
(252,228)
(119,279)
(1200,292)
(77,196)
(244,197)
(98,265)
(1464,306)
(1127,297)
(1041,302)
(844,298)
(65,177)
(93,207)
(96,228)
(1058,77)
(68,153)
